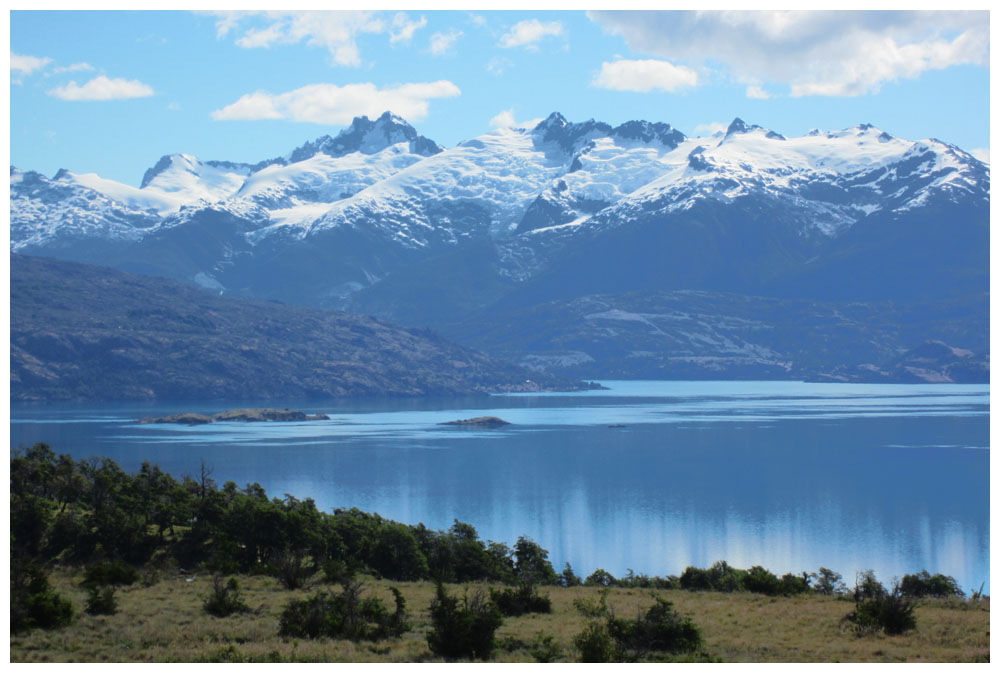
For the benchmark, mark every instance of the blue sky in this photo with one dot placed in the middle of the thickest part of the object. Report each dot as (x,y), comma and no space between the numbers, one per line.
(111,92)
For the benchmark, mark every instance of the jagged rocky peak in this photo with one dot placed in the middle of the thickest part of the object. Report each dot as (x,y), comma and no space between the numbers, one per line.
(368,137)
(740,127)
(178,162)
(647,132)
(567,135)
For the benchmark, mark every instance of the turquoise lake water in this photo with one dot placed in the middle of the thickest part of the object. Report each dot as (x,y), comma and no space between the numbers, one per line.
(788,475)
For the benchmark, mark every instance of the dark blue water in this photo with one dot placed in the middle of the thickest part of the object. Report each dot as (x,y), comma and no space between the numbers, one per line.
(786,475)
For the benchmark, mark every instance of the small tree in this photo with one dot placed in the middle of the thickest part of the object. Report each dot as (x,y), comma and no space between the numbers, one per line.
(463,631)
(225,598)
(877,609)
(829,583)
(101,600)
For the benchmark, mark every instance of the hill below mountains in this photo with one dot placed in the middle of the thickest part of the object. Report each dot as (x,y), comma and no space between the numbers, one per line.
(80,332)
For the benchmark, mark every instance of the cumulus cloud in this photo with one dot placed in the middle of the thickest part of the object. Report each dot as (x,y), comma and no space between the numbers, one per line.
(528,33)
(403,28)
(754,91)
(103,88)
(332,104)
(828,53)
(644,76)
(25,65)
(441,43)
(76,67)
(505,120)
(336,31)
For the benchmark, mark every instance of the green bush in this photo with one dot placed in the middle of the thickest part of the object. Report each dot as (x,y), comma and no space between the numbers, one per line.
(544,648)
(463,630)
(568,578)
(877,609)
(595,644)
(600,578)
(33,603)
(108,573)
(924,585)
(514,602)
(345,615)
(101,601)
(292,570)
(659,630)
(225,598)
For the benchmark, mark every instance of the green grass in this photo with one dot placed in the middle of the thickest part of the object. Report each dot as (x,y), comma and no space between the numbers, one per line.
(167,623)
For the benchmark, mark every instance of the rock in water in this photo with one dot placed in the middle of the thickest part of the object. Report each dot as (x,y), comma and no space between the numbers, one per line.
(480,421)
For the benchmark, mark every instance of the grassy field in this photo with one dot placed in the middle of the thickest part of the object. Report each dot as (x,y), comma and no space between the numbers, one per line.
(165,622)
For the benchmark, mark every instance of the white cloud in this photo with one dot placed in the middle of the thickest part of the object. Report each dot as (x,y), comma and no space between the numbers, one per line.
(477,20)
(336,31)
(76,67)
(25,65)
(981,153)
(332,104)
(710,128)
(103,88)
(527,33)
(441,43)
(829,53)
(505,120)
(754,91)
(644,75)
(403,29)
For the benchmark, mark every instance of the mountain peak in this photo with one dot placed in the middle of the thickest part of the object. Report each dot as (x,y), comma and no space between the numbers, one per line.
(368,137)
(738,126)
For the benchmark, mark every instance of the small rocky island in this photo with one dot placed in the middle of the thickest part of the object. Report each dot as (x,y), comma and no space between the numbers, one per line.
(243,415)
(480,422)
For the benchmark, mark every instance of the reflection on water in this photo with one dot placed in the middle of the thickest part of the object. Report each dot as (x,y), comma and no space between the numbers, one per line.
(786,475)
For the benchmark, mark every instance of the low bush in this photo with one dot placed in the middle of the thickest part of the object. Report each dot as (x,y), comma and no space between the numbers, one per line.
(292,570)
(225,598)
(110,573)
(514,602)
(829,583)
(463,629)
(877,609)
(925,585)
(344,615)
(544,648)
(600,578)
(659,630)
(101,601)
(654,633)
(33,603)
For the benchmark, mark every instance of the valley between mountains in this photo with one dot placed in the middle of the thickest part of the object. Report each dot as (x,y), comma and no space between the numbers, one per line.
(571,250)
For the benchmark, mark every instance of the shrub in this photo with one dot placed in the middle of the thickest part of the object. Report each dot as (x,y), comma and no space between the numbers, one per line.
(595,644)
(544,648)
(335,572)
(761,581)
(923,585)
(660,629)
(292,570)
(110,573)
(225,598)
(345,615)
(101,601)
(33,603)
(514,602)
(611,639)
(876,609)
(462,631)
(794,584)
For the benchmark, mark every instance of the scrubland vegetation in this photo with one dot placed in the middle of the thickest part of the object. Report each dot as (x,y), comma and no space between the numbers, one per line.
(107,566)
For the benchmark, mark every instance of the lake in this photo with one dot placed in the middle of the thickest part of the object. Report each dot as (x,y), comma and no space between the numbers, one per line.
(788,475)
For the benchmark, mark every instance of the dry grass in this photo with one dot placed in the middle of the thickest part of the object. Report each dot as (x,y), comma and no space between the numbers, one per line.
(166,622)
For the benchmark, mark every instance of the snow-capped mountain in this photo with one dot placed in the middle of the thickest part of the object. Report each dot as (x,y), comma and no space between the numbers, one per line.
(381,219)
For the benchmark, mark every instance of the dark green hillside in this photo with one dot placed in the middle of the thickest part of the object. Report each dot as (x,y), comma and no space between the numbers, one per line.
(89,333)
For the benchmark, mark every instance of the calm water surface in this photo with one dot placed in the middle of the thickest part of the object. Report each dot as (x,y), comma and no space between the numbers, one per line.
(786,475)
